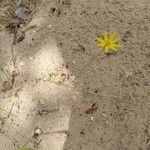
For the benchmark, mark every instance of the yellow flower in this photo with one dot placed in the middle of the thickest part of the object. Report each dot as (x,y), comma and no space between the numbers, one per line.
(108,42)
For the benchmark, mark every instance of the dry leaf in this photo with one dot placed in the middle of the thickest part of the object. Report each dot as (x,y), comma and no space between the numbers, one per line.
(91,110)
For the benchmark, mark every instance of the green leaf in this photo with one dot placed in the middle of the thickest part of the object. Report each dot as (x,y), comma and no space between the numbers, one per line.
(24,148)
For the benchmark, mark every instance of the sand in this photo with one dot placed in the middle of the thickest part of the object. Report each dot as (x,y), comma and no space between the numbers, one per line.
(54,97)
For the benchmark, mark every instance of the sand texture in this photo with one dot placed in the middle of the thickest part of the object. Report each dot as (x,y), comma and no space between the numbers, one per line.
(52,96)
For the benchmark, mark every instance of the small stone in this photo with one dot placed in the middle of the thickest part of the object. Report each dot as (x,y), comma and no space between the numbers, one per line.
(92,118)
(96,91)
(37,131)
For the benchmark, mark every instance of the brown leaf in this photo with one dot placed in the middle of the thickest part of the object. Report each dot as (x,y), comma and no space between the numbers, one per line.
(91,110)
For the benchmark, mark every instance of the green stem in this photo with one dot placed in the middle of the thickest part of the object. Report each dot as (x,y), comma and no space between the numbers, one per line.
(91,60)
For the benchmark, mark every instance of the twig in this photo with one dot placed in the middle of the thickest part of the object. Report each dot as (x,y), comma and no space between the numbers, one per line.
(57,132)
(13,55)
(15,34)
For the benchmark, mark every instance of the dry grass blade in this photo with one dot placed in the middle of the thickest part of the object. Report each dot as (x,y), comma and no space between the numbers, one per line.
(4,72)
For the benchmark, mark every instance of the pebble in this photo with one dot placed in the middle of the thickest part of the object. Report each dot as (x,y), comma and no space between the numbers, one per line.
(22,13)
(38,131)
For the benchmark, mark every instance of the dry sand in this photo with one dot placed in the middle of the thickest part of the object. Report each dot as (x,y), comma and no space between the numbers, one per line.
(104,105)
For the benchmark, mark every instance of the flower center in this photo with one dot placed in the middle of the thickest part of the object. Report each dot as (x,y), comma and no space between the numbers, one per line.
(107,43)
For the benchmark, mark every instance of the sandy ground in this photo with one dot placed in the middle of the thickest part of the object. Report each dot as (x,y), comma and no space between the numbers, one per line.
(53,97)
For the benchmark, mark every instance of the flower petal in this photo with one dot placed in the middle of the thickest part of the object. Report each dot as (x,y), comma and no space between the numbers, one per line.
(105,34)
(113,35)
(115,45)
(106,49)
(100,44)
(108,42)
(114,40)
(99,39)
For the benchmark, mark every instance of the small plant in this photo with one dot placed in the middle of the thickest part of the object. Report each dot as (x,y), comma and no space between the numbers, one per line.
(24,148)
(109,42)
